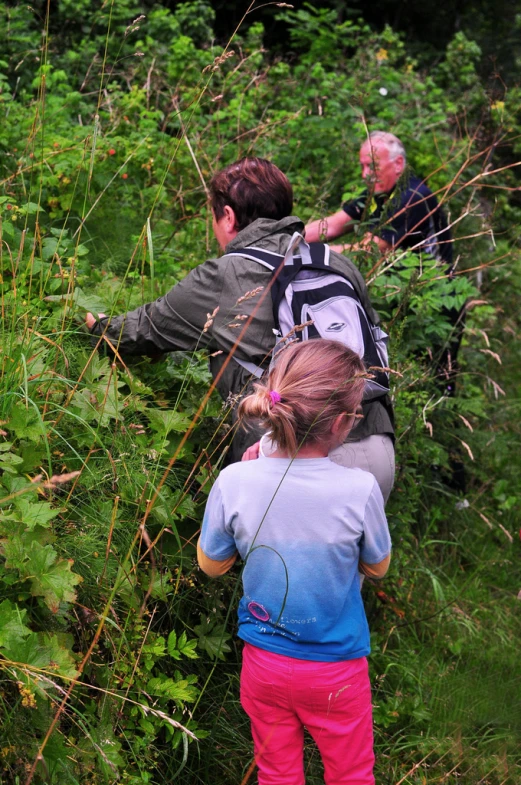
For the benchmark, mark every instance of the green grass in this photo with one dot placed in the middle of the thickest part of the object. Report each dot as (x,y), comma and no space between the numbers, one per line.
(446,623)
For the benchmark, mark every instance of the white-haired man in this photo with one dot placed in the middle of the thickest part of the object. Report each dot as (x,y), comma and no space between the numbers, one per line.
(397,209)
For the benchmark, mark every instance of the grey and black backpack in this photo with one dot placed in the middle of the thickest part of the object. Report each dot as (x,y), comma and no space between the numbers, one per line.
(305,291)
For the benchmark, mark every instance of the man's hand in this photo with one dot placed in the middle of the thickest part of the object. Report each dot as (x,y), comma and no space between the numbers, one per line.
(343,248)
(90,319)
(364,244)
(328,228)
(252,453)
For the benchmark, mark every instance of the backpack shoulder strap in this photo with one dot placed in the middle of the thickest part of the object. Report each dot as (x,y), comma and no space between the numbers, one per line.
(254,370)
(317,256)
(268,259)
(314,254)
(299,256)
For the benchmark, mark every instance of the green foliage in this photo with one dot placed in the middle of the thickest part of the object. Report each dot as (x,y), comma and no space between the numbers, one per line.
(212,638)
(114,117)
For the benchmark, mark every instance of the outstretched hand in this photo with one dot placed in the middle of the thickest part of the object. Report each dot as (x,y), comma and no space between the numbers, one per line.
(90,319)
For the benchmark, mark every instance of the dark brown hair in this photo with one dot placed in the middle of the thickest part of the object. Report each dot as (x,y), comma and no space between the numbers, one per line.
(311,384)
(253,188)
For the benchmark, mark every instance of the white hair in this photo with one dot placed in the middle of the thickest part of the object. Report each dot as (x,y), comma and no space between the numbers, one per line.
(390,141)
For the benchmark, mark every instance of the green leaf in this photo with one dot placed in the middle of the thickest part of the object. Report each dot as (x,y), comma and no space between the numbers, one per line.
(186,647)
(42,652)
(26,423)
(8,460)
(12,627)
(107,747)
(81,250)
(156,647)
(181,646)
(86,302)
(98,367)
(110,406)
(212,638)
(57,757)
(49,247)
(30,208)
(34,514)
(148,727)
(179,690)
(160,586)
(165,421)
(137,386)
(81,404)
(51,578)
(7,229)
(172,647)
(185,508)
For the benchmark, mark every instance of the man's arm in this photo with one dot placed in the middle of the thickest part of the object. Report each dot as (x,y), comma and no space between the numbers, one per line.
(364,244)
(174,322)
(329,228)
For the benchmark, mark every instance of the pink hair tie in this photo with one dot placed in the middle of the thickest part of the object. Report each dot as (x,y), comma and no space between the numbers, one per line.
(275,397)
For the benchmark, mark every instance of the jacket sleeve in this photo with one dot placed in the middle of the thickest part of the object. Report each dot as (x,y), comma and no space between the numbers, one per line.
(174,322)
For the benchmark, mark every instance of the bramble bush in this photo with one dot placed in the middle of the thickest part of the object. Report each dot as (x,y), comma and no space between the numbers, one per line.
(117,656)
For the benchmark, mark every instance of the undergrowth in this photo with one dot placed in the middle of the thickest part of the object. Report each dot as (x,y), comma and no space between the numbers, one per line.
(118,659)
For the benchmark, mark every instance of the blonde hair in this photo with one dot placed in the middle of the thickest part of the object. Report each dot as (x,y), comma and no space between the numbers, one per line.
(311,384)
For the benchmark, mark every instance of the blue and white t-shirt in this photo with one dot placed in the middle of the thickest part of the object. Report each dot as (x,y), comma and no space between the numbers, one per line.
(301,526)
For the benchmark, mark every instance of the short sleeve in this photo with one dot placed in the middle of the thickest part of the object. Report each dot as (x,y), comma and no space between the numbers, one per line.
(375,544)
(216,541)
(355,209)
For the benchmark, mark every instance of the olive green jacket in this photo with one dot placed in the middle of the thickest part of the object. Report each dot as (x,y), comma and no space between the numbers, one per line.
(223,287)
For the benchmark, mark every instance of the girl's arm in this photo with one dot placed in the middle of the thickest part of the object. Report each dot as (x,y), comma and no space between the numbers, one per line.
(375,546)
(216,538)
(214,567)
(375,570)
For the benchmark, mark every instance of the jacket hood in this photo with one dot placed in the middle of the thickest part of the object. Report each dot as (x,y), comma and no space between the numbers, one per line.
(262,229)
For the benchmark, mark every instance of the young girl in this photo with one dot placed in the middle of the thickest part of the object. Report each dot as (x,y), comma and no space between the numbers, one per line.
(304,527)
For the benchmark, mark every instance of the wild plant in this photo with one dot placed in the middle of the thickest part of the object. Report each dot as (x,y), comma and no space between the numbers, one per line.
(117,656)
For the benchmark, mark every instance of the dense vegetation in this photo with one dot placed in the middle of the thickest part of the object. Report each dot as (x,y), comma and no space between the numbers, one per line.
(117,657)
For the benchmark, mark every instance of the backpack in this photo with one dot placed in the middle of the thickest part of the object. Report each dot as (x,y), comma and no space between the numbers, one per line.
(305,291)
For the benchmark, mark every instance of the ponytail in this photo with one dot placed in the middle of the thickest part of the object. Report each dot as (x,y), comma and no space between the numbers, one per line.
(311,384)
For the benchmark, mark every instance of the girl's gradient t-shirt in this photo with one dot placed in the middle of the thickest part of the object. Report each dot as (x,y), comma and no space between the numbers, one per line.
(301,527)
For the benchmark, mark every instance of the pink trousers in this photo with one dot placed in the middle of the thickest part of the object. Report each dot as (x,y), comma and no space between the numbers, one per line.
(282,695)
